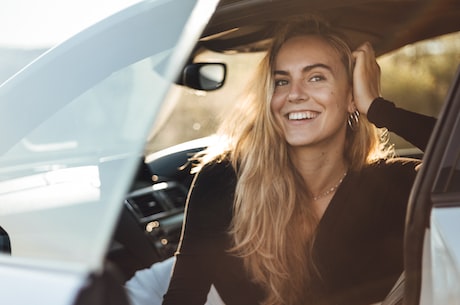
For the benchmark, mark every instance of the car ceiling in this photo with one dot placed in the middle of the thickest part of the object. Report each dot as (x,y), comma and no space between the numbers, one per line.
(246,25)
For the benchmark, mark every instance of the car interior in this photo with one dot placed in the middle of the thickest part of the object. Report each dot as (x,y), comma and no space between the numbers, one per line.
(150,225)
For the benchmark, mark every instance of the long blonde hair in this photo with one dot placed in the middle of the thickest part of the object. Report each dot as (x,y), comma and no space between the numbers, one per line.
(273,228)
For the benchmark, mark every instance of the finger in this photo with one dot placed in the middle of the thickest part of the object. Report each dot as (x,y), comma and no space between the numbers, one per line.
(364,49)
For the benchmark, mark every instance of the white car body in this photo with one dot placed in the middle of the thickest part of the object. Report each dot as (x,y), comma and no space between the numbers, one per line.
(61,189)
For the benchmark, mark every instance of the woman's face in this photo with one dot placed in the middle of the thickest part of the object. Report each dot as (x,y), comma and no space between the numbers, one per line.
(312,96)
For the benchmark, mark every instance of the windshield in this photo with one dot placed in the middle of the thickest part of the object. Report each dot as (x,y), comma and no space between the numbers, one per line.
(74,124)
(416,77)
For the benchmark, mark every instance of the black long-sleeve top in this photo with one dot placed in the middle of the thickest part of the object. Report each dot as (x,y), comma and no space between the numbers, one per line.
(358,248)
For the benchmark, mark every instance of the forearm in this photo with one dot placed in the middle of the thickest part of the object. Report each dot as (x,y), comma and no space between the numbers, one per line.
(414,127)
(189,282)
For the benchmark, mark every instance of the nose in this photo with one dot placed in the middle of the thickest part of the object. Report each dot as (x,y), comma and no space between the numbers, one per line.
(297,92)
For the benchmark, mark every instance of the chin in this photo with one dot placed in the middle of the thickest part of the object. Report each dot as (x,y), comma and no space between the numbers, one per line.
(300,142)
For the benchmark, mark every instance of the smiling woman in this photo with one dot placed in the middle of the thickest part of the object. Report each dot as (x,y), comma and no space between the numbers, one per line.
(319,77)
(291,165)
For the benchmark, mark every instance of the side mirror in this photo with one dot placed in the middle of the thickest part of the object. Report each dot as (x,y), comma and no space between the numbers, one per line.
(204,76)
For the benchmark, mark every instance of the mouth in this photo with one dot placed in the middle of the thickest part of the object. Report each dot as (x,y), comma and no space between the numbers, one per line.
(302,115)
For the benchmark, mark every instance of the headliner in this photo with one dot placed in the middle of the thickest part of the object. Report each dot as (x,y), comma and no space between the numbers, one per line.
(246,25)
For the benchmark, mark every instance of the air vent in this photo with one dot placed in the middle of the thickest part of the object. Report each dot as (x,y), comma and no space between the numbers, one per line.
(177,196)
(146,204)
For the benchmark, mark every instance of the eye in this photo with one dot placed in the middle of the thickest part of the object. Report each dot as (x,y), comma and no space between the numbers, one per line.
(280,82)
(316,78)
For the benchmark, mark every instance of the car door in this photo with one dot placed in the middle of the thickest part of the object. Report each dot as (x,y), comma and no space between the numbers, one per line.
(72,126)
(432,245)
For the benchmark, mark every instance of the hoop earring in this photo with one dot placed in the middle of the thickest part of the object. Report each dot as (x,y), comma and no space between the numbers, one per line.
(353,120)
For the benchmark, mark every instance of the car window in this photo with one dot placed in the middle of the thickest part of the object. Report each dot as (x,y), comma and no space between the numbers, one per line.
(198,113)
(448,179)
(415,77)
(447,184)
(109,107)
(76,141)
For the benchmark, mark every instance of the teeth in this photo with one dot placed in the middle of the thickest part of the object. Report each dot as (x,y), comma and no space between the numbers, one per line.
(301,115)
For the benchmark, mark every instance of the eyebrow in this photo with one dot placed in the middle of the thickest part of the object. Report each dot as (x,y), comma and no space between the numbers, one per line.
(306,69)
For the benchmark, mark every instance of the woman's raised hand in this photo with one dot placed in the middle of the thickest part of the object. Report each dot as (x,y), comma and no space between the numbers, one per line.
(366,77)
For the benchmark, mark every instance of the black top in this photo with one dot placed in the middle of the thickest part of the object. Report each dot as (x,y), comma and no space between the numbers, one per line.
(359,244)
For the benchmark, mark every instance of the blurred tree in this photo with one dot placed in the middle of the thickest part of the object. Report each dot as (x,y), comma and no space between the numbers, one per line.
(417,77)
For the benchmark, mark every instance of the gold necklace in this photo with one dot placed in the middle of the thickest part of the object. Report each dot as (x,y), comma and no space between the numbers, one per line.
(331,190)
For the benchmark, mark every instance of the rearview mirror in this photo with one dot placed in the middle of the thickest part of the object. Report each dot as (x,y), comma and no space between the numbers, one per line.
(204,76)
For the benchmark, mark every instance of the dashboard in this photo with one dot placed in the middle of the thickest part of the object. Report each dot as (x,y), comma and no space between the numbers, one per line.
(150,224)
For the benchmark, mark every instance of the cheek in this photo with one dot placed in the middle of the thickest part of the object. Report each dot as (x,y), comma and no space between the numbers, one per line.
(276,106)
(325,97)
(276,103)
(340,99)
